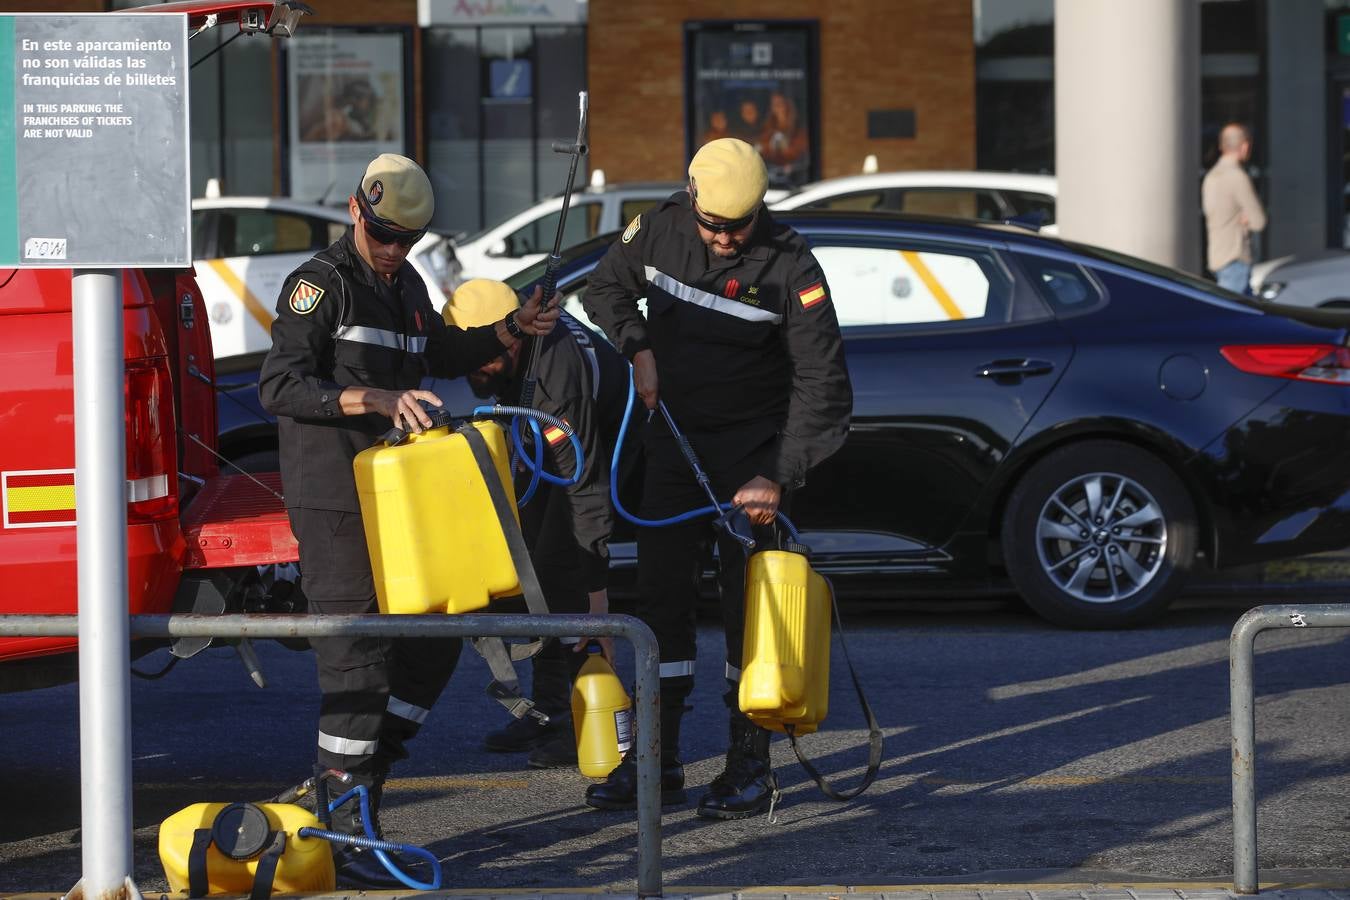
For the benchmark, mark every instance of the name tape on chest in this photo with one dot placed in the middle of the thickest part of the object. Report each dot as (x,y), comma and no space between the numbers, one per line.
(305,297)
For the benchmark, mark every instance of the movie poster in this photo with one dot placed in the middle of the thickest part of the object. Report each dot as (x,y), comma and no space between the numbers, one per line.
(347,107)
(756,82)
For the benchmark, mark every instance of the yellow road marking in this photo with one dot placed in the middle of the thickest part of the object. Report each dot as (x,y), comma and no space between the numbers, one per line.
(934,286)
(232,281)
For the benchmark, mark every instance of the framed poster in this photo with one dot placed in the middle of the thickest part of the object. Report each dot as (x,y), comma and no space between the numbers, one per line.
(756,81)
(347,102)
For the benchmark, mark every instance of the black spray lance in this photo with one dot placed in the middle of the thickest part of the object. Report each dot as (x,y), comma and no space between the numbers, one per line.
(549,285)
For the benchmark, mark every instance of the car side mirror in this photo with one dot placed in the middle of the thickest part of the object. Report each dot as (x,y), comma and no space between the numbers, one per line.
(498,248)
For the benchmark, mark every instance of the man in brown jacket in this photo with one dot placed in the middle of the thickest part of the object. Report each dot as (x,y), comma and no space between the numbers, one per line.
(1232,211)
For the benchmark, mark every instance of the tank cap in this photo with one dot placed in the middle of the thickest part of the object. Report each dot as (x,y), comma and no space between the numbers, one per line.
(240,831)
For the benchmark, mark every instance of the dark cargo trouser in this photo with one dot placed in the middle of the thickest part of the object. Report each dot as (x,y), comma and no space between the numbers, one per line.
(671,561)
(376,691)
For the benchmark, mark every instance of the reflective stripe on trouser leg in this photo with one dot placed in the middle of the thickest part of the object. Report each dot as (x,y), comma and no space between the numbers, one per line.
(353,672)
(419,672)
(669,566)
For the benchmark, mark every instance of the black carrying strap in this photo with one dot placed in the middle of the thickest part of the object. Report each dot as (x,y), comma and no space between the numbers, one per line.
(266,872)
(874,736)
(505,686)
(197,881)
(264,876)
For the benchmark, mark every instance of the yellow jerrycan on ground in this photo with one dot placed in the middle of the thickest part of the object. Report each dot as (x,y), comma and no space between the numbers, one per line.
(244,848)
(436,543)
(602,716)
(785,659)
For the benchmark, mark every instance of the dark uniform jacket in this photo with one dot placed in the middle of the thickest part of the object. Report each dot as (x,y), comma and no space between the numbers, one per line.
(582,379)
(339,325)
(747,349)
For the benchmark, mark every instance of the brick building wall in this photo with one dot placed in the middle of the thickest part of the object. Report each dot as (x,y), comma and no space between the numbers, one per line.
(914,54)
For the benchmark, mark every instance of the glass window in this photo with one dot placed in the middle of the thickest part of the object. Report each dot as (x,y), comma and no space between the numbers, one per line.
(1064,285)
(862,201)
(450,90)
(253,232)
(958,203)
(507,92)
(630,209)
(537,237)
(1025,203)
(200,223)
(915,285)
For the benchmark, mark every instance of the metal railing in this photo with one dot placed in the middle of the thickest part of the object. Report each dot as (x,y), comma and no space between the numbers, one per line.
(646,687)
(1241,654)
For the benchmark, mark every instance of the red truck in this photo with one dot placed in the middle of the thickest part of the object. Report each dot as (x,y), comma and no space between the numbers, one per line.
(195,537)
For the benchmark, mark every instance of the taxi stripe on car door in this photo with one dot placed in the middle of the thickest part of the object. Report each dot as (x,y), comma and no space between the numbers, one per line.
(934,286)
(240,290)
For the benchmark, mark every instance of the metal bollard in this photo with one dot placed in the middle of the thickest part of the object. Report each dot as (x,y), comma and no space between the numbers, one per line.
(1241,653)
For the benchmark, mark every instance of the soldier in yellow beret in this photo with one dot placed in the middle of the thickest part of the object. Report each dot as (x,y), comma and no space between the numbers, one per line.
(582,380)
(741,342)
(354,334)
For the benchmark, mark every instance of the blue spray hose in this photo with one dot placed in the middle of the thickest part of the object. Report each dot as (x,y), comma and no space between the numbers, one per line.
(710,510)
(371,842)
(536,465)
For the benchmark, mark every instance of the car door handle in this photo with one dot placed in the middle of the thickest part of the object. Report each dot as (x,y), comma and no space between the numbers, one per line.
(1014,368)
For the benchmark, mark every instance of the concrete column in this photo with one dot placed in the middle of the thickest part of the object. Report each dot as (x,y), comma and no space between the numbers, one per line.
(1296,147)
(1127,126)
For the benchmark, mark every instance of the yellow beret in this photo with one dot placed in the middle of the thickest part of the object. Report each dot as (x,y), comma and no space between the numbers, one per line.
(480,301)
(398,191)
(728,178)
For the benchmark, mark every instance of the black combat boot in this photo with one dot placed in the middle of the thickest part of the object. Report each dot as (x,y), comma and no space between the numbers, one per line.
(619,790)
(357,866)
(747,786)
(551,693)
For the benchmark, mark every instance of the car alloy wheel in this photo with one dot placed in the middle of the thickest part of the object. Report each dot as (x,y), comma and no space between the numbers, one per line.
(1099,534)
(1101,537)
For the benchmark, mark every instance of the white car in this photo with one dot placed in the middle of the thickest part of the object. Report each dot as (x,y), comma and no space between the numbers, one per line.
(527,237)
(244,247)
(991,196)
(1319,279)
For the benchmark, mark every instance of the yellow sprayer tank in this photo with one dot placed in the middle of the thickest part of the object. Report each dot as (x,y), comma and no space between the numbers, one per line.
(306,865)
(785,661)
(436,543)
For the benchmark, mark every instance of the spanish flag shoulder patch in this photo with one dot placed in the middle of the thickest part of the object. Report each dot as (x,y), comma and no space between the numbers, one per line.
(813,295)
(555,435)
(305,297)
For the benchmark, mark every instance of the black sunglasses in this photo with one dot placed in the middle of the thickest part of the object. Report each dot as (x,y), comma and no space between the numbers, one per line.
(719,227)
(379,230)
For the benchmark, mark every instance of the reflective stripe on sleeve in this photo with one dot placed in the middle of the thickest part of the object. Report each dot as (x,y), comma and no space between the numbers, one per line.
(733,673)
(677,669)
(346,746)
(681,291)
(381,337)
(405,710)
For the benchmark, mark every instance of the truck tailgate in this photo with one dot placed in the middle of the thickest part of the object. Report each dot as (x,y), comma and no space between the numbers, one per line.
(235,521)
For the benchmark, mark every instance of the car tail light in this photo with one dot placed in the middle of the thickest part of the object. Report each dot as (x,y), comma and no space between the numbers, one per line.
(152,483)
(1303,362)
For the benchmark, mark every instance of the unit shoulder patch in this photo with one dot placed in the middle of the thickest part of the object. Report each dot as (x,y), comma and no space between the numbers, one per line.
(305,297)
(631,231)
(812,295)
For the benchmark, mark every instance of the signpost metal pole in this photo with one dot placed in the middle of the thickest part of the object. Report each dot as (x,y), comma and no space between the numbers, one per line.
(101,543)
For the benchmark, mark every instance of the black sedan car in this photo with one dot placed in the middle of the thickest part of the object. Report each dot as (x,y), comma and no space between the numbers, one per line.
(1085,424)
